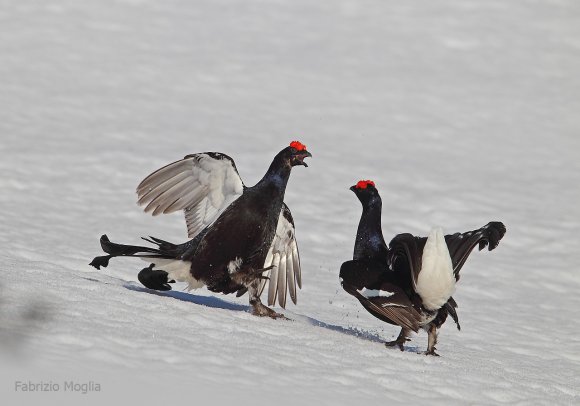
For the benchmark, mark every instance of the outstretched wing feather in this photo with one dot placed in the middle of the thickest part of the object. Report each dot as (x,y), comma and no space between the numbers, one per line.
(203,185)
(286,274)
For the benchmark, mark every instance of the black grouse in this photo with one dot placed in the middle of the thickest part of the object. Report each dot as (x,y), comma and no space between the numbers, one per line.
(241,237)
(410,282)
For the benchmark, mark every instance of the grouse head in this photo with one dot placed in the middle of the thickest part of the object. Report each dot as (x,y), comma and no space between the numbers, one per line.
(294,154)
(366,192)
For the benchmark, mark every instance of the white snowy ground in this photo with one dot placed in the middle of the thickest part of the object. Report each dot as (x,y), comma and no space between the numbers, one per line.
(461,111)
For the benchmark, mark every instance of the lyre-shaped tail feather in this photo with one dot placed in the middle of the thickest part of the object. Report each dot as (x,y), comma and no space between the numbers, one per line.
(164,250)
(461,244)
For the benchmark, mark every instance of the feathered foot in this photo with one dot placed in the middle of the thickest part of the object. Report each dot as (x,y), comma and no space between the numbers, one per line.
(400,341)
(432,341)
(260,310)
(247,276)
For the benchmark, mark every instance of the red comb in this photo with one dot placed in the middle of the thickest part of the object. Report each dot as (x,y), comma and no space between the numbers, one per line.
(298,146)
(363,184)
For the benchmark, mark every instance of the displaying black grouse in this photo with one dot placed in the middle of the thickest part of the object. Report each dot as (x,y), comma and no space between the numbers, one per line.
(241,236)
(409,283)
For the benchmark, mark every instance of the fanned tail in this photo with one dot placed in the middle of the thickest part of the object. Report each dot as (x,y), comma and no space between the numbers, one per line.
(461,244)
(164,250)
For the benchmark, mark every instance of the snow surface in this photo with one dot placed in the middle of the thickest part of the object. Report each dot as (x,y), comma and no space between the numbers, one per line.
(461,111)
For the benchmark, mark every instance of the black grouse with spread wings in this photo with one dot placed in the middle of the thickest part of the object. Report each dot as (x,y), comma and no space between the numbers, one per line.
(241,236)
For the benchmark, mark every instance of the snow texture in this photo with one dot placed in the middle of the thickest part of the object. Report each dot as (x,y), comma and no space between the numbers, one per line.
(461,111)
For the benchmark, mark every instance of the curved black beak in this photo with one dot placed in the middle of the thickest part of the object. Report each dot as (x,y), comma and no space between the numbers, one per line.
(353,188)
(304,154)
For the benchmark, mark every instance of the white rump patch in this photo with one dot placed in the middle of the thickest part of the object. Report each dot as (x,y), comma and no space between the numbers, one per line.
(368,293)
(234,266)
(436,282)
(177,270)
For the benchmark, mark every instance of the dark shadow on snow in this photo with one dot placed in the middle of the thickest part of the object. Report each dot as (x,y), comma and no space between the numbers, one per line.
(217,303)
(209,301)
(356,332)
(351,331)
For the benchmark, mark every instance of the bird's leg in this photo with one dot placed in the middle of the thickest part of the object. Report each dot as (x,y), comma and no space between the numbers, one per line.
(258,308)
(247,276)
(401,339)
(258,272)
(432,340)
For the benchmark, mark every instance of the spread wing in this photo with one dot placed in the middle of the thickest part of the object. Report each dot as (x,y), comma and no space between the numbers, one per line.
(368,282)
(202,185)
(283,256)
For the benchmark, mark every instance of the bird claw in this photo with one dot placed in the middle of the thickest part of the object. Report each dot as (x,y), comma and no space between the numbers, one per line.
(263,311)
(397,343)
(248,275)
(431,352)
(258,273)
(268,268)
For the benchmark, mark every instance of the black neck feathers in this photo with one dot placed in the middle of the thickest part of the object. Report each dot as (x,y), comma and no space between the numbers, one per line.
(370,243)
(276,178)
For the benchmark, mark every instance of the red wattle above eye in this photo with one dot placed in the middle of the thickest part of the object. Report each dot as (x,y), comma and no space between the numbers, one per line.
(298,145)
(363,184)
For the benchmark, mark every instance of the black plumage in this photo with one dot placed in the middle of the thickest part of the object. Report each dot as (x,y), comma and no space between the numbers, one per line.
(240,235)
(386,279)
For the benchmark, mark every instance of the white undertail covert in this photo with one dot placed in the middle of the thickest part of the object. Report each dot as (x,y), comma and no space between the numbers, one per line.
(436,281)
(177,270)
